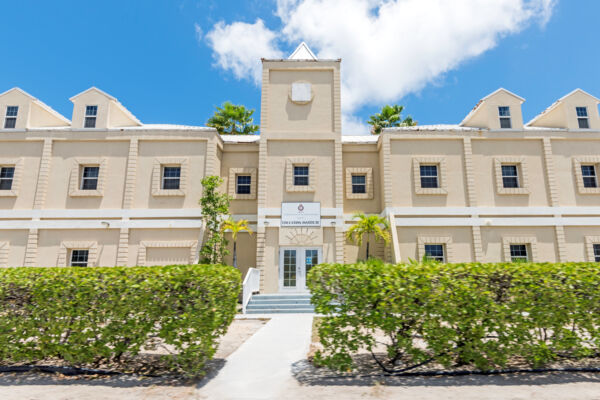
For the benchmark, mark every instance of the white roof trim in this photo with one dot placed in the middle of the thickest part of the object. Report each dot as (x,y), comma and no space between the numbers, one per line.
(302,52)
(476,108)
(557,103)
(95,89)
(40,103)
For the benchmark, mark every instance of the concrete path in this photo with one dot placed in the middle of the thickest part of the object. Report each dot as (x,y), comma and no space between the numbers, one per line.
(262,367)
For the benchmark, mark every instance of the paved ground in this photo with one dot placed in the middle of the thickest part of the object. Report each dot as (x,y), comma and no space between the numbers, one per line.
(271,365)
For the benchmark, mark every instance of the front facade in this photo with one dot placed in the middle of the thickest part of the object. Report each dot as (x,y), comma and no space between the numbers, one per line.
(106,189)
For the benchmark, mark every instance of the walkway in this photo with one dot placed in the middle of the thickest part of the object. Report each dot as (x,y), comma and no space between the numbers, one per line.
(262,367)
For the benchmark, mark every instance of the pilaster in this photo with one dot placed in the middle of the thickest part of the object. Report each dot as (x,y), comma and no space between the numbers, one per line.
(130,179)
(43,175)
(31,250)
(550,174)
(469,172)
(561,244)
(477,243)
(123,250)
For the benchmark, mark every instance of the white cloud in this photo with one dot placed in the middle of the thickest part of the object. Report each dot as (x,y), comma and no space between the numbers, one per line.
(199,32)
(239,46)
(389,47)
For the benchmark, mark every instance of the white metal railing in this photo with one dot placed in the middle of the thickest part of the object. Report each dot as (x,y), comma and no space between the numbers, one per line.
(250,286)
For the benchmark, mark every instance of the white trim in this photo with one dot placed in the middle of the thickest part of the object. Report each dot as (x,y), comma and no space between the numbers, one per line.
(100,224)
(525,211)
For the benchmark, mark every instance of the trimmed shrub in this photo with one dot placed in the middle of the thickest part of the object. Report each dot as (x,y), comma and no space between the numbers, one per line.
(95,315)
(480,315)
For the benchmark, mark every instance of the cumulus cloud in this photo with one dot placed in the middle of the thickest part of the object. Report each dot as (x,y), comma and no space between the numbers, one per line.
(389,47)
(239,46)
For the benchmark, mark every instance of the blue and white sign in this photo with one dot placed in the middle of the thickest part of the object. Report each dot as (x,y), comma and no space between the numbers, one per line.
(301,214)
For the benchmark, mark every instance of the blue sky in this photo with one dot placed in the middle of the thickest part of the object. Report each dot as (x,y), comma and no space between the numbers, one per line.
(150,56)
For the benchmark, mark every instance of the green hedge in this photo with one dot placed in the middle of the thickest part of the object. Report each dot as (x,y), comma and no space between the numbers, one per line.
(94,316)
(482,315)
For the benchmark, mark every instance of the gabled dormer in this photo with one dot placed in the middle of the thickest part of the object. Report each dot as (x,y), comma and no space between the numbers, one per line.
(577,110)
(19,111)
(95,109)
(500,110)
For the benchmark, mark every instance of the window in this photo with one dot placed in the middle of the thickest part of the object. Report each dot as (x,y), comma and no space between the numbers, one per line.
(79,258)
(510,176)
(518,253)
(596,252)
(11,117)
(582,117)
(90,116)
(504,114)
(243,184)
(588,173)
(7,175)
(359,184)
(171,177)
(89,177)
(435,252)
(429,176)
(300,175)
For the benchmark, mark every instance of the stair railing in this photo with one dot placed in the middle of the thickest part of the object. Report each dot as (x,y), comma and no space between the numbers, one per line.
(250,286)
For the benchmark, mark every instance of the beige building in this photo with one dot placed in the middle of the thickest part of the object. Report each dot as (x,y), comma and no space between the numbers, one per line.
(107,189)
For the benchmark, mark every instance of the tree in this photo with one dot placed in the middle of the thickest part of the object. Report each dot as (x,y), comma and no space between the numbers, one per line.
(235,228)
(233,119)
(215,206)
(367,225)
(390,116)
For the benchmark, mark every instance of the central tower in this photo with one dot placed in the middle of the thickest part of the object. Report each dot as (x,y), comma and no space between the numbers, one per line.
(300,167)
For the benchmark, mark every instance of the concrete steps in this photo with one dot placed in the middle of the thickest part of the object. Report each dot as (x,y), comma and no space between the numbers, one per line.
(280,304)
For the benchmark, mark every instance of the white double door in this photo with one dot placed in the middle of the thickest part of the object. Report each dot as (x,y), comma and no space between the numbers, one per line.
(294,264)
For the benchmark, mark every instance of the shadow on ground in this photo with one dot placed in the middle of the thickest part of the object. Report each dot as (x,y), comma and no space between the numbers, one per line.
(308,375)
(120,381)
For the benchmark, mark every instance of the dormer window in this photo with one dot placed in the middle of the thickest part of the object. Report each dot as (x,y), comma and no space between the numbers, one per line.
(582,118)
(90,116)
(11,117)
(504,114)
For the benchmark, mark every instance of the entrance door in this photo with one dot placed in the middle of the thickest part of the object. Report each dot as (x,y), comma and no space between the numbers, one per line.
(294,264)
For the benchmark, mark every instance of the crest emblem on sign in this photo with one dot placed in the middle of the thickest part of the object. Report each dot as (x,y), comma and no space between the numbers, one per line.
(300,208)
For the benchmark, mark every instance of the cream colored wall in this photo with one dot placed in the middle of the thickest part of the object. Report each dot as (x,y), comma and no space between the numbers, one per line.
(271,271)
(492,242)
(15,98)
(575,239)
(323,154)
(49,243)
(239,156)
(484,151)
(193,150)
(30,152)
(403,189)
(17,243)
(359,157)
(246,251)
(564,151)
(91,98)
(579,99)
(487,116)
(64,156)
(461,247)
(39,117)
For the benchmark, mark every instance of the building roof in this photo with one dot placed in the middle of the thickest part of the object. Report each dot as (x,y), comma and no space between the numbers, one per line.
(39,103)
(240,138)
(437,127)
(114,99)
(480,102)
(557,103)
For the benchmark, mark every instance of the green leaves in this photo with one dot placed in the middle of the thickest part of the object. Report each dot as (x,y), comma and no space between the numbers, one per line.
(86,315)
(480,315)
(233,120)
(215,206)
(390,116)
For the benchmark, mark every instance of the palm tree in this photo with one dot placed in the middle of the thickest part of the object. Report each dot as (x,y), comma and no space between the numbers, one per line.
(233,119)
(390,116)
(235,228)
(367,225)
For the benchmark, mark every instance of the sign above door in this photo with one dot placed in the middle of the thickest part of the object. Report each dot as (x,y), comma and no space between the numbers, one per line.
(301,214)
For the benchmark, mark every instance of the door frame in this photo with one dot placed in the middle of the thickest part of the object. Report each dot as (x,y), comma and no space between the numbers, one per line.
(300,267)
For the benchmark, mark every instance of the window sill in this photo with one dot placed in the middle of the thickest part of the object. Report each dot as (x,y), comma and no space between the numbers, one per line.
(168,192)
(431,191)
(513,191)
(8,193)
(86,193)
